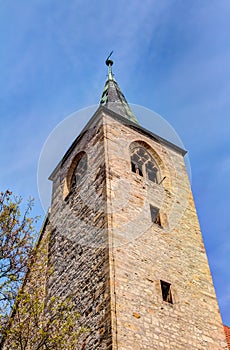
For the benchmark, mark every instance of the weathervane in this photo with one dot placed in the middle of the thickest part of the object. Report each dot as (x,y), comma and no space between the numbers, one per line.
(109,62)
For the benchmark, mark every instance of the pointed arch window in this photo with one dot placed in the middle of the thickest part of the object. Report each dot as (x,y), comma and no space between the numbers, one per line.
(79,170)
(143,164)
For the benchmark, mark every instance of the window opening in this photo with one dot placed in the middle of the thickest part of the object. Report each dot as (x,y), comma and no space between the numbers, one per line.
(143,164)
(137,164)
(79,171)
(155,215)
(166,292)
(137,168)
(151,171)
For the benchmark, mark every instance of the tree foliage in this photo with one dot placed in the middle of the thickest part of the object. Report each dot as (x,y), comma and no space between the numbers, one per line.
(17,237)
(40,321)
(30,317)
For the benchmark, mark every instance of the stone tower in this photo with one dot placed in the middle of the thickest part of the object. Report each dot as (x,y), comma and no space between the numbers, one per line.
(126,238)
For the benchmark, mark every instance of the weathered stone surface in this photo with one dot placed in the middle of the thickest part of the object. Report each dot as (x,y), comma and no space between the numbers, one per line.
(79,250)
(143,253)
(109,252)
(105,249)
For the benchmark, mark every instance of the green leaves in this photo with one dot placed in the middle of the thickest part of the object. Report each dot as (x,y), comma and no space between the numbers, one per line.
(39,320)
(17,237)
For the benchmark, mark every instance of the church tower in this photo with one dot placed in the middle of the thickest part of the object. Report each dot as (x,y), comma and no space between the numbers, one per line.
(126,238)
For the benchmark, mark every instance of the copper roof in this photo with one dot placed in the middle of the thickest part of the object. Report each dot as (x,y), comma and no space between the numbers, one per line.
(113,98)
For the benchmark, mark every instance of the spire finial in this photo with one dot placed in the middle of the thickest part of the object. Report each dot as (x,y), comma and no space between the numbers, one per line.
(112,97)
(109,63)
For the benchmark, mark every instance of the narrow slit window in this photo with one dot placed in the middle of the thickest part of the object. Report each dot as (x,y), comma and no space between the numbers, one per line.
(166,292)
(155,215)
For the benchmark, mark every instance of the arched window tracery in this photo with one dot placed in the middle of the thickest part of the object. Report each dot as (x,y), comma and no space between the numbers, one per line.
(143,164)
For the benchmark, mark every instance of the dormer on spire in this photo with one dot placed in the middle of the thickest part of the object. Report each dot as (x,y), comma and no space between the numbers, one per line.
(113,98)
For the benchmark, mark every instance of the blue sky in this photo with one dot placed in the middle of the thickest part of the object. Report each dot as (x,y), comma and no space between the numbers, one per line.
(171,56)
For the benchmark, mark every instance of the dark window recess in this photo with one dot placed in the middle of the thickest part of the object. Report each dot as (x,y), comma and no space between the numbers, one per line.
(143,164)
(79,171)
(133,165)
(151,171)
(155,215)
(166,292)
(137,168)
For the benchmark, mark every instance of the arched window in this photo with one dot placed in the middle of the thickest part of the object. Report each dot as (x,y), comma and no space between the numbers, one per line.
(143,164)
(79,170)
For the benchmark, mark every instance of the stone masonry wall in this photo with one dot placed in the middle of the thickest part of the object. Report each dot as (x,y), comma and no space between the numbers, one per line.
(143,253)
(106,252)
(79,247)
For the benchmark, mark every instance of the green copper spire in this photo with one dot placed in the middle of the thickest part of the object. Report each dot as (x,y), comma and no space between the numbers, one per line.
(113,98)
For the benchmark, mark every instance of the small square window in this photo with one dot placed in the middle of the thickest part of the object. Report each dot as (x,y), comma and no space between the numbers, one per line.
(166,292)
(155,215)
